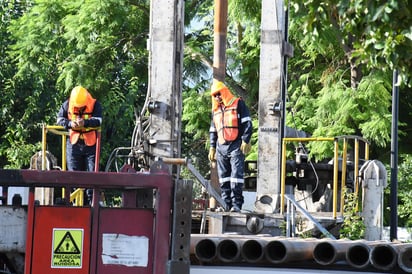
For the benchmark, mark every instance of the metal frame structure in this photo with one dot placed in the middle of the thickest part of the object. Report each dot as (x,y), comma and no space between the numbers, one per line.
(336,166)
(165,259)
(78,194)
(59,130)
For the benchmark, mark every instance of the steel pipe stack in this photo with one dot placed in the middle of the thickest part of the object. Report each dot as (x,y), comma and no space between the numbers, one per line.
(267,250)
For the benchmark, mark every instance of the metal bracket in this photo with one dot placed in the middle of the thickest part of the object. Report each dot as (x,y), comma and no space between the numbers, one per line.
(275,108)
(152,106)
(287,49)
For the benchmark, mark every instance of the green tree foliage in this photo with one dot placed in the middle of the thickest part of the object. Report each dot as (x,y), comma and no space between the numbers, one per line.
(340,83)
(196,118)
(12,96)
(375,33)
(353,227)
(404,192)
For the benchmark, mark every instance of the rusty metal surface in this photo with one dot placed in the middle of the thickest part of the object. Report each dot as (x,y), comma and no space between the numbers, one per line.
(53,178)
(181,228)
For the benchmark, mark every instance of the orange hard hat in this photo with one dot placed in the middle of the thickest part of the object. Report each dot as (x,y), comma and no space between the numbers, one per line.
(78,96)
(217,86)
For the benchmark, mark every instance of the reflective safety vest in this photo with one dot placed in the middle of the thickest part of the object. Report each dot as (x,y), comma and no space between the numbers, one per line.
(88,135)
(226,122)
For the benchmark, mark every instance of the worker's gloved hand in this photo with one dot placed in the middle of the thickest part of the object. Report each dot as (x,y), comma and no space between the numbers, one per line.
(80,122)
(212,154)
(77,124)
(245,147)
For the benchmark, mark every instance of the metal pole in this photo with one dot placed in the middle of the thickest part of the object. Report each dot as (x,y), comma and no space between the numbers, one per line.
(394,158)
(220,34)
(270,128)
(288,205)
(43,148)
(165,77)
(98,144)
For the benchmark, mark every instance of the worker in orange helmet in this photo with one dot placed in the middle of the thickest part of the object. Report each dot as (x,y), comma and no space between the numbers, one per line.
(230,134)
(80,113)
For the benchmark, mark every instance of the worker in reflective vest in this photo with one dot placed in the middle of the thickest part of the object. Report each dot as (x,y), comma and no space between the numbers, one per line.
(78,114)
(230,134)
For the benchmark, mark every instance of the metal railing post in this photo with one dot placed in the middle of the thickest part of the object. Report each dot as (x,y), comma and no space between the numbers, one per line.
(343,179)
(335,178)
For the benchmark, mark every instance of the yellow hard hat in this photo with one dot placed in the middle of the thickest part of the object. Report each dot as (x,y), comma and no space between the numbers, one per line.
(217,86)
(78,96)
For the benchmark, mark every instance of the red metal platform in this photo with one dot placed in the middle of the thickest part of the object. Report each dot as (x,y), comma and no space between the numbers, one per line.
(92,239)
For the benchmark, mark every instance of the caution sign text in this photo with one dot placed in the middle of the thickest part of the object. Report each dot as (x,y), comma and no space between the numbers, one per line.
(67,249)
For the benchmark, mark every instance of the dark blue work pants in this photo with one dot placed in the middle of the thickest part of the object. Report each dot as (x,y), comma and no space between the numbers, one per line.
(81,157)
(231,169)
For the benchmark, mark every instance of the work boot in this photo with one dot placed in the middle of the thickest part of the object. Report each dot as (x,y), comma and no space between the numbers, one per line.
(235,209)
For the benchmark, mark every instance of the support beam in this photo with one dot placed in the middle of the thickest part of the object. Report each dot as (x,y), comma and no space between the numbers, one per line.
(270,105)
(165,76)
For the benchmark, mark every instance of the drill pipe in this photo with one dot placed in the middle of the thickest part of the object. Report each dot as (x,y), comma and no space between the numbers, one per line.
(383,256)
(205,249)
(252,250)
(227,247)
(329,252)
(357,255)
(287,250)
(405,257)
(228,250)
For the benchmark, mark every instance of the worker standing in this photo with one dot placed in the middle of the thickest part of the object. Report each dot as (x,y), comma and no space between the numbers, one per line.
(81,114)
(230,134)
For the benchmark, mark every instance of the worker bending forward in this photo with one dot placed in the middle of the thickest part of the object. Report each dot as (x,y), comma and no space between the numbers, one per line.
(230,133)
(80,114)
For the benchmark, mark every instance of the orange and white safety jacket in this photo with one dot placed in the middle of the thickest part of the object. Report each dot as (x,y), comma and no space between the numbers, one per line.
(226,122)
(230,123)
(92,115)
(89,136)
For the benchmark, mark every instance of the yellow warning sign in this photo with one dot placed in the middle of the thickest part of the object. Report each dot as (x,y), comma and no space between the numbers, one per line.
(67,248)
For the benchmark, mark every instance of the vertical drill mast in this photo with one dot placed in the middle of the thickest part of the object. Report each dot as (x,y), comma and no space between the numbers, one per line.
(165,76)
(271,105)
